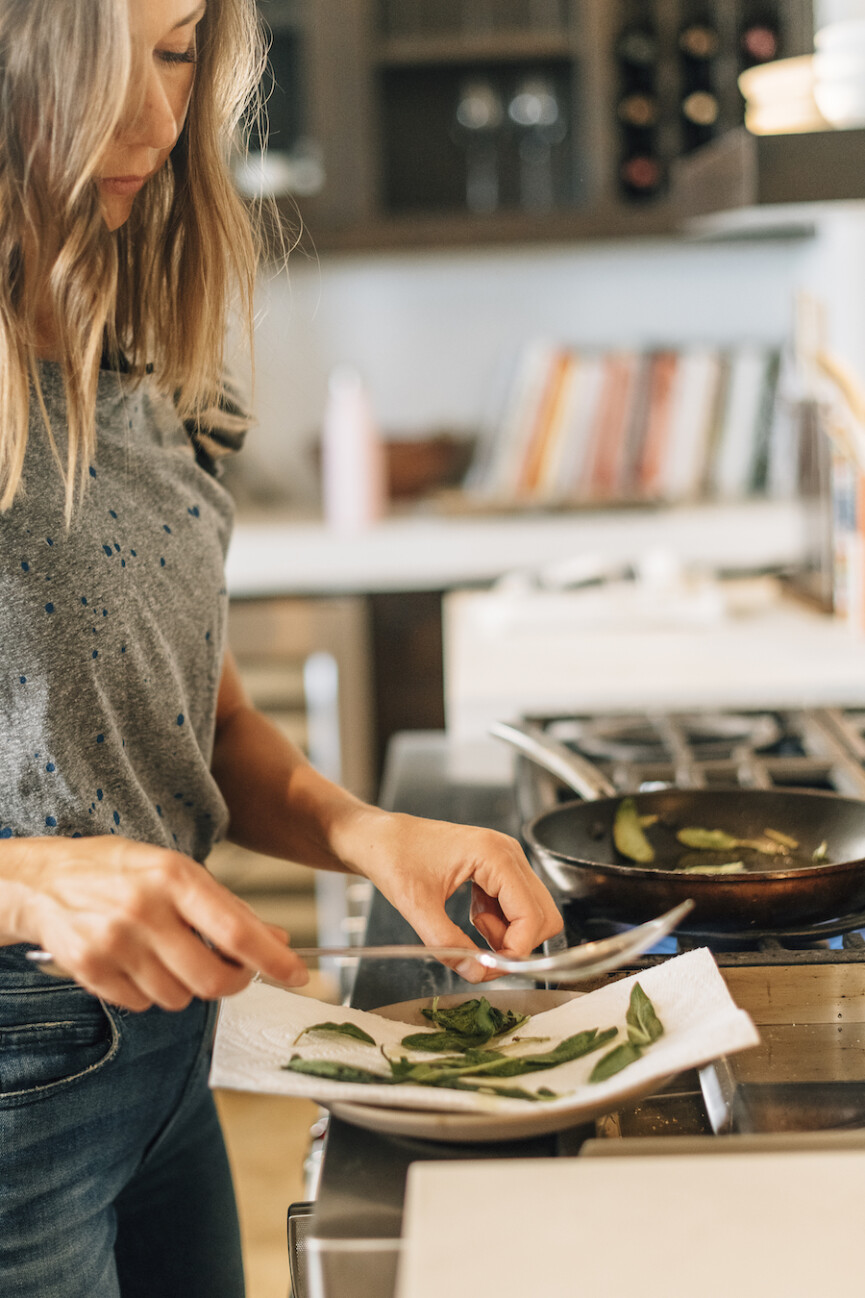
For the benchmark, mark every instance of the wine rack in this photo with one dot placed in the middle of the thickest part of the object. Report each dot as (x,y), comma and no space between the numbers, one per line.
(446,122)
(677,64)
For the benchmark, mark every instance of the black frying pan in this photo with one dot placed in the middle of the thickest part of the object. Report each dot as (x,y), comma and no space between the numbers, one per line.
(573,843)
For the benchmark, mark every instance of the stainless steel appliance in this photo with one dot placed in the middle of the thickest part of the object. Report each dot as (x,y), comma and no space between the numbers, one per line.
(804,984)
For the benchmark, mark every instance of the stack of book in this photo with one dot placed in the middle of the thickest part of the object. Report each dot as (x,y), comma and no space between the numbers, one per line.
(637,426)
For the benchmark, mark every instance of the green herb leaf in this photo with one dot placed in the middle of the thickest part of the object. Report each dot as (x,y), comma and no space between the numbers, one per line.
(716,840)
(729,867)
(644,1026)
(437,1042)
(818,856)
(628,834)
(339,1029)
(614,1061)
(335,1071)
(711,840)
(471,1023)
(582,1043)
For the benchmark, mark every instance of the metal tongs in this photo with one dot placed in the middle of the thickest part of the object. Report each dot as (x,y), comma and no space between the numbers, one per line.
(573,965)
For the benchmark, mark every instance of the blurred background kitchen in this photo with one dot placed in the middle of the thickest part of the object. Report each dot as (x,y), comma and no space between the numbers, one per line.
(560,392)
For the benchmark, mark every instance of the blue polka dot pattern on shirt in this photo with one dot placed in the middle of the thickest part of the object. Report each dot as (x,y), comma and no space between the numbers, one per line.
(153,668)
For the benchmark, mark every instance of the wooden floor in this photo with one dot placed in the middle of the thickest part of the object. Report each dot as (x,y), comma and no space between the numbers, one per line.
(267,1138)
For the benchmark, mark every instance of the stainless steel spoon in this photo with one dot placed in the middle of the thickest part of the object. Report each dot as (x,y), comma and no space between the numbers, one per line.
(573,965)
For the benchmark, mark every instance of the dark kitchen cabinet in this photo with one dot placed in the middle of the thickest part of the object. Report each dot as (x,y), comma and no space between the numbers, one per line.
(436,122)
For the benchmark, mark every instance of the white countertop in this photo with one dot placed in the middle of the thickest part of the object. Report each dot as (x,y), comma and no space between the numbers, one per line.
(738,644)
(778,1224)
(273,556)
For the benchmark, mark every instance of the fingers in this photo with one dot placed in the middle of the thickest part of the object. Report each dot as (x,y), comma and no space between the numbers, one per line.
(130,929)
(515,905)
(486,916)
(235,929)
(185,967)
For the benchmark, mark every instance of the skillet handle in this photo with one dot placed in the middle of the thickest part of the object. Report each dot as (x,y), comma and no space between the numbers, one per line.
(579,775)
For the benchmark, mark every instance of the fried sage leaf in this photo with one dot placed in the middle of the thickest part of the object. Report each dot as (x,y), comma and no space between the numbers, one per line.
(336,1072)
(339,1029)
(711,840)
(717,840)
(582,1043)
(440,1043)
(495,1063)
(729,867)
(469,1024)
(643,1024)
(628,834)
(614,1061)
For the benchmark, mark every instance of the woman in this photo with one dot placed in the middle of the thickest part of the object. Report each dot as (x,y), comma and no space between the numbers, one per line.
(129,745)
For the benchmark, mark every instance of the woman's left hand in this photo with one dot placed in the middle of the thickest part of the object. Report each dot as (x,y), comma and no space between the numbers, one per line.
(418,864)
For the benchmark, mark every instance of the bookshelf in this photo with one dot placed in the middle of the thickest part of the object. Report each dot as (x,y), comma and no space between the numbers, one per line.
(662,427)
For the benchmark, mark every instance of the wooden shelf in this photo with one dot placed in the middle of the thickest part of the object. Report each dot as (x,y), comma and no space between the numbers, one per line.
(456,230)
(742,172)
(501,47)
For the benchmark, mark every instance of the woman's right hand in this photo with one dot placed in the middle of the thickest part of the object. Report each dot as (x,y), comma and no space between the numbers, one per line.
(126,920)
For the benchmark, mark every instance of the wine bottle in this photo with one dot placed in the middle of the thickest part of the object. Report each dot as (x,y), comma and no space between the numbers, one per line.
(638,110)
(699,42)
(700,111)
(759,41)
(637,46)
(641,175)
(637,54)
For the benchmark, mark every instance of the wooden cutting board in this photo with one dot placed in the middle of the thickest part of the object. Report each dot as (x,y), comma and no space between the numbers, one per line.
(753,1225)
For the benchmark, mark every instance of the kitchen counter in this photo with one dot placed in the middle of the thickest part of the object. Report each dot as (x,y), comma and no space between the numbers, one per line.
(358,1211)
(622,648)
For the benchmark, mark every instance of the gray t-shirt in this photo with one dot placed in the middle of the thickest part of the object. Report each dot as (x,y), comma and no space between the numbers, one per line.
(112,632)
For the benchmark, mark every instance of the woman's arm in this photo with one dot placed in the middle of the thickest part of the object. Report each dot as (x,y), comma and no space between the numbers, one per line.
(281,806)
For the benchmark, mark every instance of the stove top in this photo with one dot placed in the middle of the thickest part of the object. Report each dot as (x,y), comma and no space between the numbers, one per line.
(795,749)
(804,986)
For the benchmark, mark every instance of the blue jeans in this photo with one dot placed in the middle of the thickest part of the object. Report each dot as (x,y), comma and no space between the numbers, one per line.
(114,1182)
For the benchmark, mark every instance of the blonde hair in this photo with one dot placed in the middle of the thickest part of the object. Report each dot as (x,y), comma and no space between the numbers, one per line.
(158,290)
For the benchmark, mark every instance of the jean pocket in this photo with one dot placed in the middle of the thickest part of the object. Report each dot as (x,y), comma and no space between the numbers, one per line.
(49,1038)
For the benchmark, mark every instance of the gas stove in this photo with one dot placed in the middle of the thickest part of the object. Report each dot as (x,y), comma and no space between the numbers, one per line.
(804,986)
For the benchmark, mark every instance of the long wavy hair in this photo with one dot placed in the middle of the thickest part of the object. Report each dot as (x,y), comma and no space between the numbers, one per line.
(158,290)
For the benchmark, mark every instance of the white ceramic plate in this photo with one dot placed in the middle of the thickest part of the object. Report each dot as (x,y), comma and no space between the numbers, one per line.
(456,1128)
